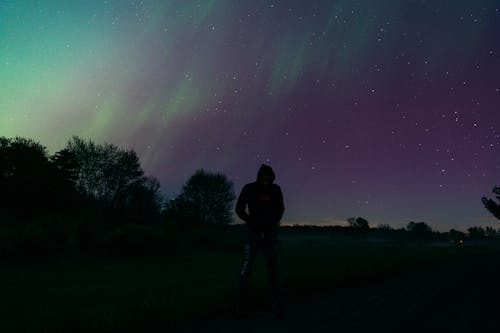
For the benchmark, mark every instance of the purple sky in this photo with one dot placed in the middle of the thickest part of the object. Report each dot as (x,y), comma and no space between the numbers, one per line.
(389,110)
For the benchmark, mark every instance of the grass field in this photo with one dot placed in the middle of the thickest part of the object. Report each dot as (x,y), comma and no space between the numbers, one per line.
(160,294)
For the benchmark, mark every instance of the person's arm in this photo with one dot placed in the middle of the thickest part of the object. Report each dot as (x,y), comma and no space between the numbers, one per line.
(241,204)
(280,207)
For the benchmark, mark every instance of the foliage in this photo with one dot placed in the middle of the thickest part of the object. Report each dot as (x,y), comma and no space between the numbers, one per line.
(111,178)
(384,227)
(141,200)
(456,235)
(206,198)
(419,230)
(95,198)
(135,239)
(358,223)
(490,232)
(101,172)
(491,205)
(51,204)
(30,185)
(476,232)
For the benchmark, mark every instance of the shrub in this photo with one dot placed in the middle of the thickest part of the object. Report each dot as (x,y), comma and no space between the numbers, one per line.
(131,240)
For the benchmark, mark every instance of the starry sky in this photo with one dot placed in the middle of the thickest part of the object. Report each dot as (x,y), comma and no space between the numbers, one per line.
(389,110)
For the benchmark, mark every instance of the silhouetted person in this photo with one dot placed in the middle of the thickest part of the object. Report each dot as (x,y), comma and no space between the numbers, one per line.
(265,209)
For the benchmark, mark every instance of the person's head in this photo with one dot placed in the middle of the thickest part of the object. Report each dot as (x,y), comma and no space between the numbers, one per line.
(265,176)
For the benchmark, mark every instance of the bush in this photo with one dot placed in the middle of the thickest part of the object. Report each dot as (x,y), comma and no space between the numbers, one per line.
(131,240)
(36,238)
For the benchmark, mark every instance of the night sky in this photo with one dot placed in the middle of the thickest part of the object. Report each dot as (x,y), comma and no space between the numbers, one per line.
(389,110)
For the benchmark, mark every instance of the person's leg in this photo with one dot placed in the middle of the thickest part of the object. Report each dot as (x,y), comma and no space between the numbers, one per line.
(270,249)
(250,250)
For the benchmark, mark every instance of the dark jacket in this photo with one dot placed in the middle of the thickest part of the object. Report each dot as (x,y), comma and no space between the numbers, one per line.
(265,205)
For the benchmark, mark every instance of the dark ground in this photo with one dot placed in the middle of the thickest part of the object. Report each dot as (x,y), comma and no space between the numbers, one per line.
(455,296)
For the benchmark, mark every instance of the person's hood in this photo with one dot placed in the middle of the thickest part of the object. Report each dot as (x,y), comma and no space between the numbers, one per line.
(264,168)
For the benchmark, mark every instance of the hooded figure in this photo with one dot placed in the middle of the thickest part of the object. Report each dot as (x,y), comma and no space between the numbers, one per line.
(265,209)
(264,200)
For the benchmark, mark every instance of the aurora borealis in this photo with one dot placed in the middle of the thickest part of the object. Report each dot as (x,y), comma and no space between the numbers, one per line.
(389,110)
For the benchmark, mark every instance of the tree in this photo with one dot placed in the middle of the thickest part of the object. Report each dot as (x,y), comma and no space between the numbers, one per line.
(456,235)
(490,232)
(476,232)
(491,205)
(384,227)
(111,178)
(28,184)
(419,229)
(99,172)
(141,200)
(206,198)
(358,223)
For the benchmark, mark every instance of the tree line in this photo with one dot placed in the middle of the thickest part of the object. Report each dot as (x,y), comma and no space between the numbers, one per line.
(101,179)
(360,227)
(88,194)
(84,177)
(93,196)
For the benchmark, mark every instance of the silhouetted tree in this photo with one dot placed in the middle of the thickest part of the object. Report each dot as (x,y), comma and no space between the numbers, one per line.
(38,193)
(101,172)
(419,229)
(178,210)
(66,163)
(492,206)
(206,198)
(358,223)
(490,232)
(476,232)
(141,200)
(456,235)
(110,178)
(384,227)
(28,182)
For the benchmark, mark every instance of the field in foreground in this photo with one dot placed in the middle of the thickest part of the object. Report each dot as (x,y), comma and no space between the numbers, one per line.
(328,286)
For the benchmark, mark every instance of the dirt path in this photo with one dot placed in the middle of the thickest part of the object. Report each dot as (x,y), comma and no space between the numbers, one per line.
(452,297)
